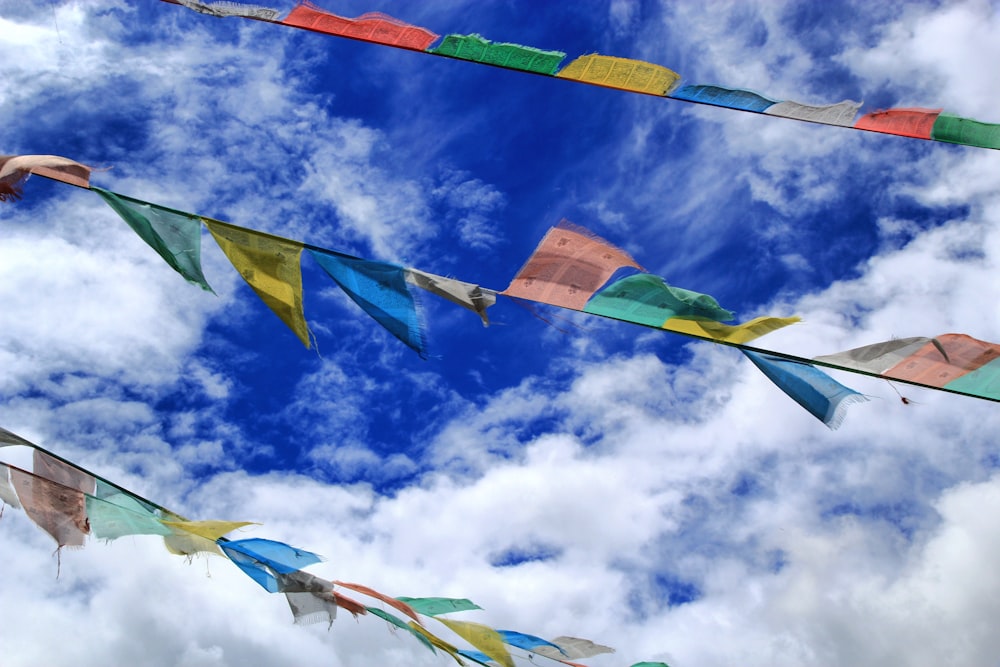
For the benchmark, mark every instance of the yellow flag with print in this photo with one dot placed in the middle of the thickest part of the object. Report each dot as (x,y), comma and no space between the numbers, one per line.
(483,637)
(271,265)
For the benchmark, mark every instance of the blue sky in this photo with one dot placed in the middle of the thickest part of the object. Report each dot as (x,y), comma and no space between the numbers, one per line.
(593,478)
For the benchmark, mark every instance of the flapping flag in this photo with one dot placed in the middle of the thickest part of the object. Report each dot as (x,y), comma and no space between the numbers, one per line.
(262,560)
(271,266)
(725,333)
(622,73)
(477,656)
(371,27)
(965,131)
(527,642)
(647,299)
(955,362)
(825,398)
(372,593)
(842,113)
(572,648)
(7,494)
(483,638)
(436,606)
(175,236)
(189,538)
(743,100)
(513,56)
(59,510)
(224,8)
(436,641)
(310,598)
(467,295)
(650,664)
(60,472)
(401,624)
(15,169)
(916,123)
(119,515)
(380,288)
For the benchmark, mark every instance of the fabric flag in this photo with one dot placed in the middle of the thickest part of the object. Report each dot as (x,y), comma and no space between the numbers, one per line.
(224,8)
(15,169)
(271,266)
(621,73)
(647,299)
(957,130)
(512,56)
(955,362)
(825,398)
(743,100)
(916,123)
(372,593)
(175,236)
(47,466)
(436,606)
(842,113)
(467,295)
(527,642)
(119,515)
(483,638)
(738,334)
(568,266)
(400,623)
(650,664)
(573,648)
(189,538)
(7,494)
(381,290)
(310,598)
(436,641)
(371,27)
(262,559)
(57,509)
(476,656)
(7,438)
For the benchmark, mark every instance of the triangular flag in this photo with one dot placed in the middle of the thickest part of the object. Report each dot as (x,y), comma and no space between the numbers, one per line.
(825,398)
(175,236)
(271,266)
(380,289)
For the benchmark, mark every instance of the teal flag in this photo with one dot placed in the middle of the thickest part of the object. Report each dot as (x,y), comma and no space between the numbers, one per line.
(646,299)
(436,606)
(175,236)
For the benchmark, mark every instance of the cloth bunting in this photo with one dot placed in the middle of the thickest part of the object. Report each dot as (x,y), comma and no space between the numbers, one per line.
(400,623)
(271,266)
(917,123)
(310,598)
(437,606)
(743,100)
(436,641)
(15,169)
(568,266)
(381,290)
(622,73)
(573,648)
(7,494)
(57,509)
(825,398)
(119,515)
(189,538)
(955,362)
(483,637)
(512,56)
(647,299)
(372,593)
(842,113)
(467,295)
(225,8)
(527,642)
(175,236)
(262,560)
(371,27)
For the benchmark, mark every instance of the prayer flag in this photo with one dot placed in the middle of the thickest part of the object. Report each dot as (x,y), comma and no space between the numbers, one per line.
(622,73)
(271,266)
(725,333)
(573,648)
(119,515)
(309,597)
(175,236)
(744,100)
(483,637)
(470,296)
(224,8)
(512,56)
(400,623)
(842,113)
(966,131)
(371,27)
(916,123)
(57,509)
(372,593)
(647,299)
(7,493)
(262,559)
(527,642)
(15,169)
(436,606)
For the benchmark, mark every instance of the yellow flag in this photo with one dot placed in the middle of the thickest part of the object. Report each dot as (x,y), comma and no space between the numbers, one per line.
(622,73)
(210,530)
(436,641)
(740,333)
(271,266)
(485,638)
